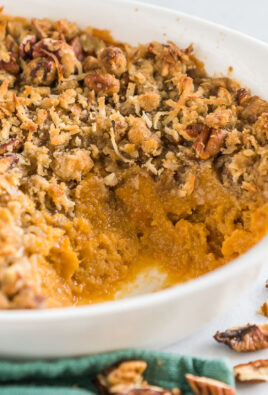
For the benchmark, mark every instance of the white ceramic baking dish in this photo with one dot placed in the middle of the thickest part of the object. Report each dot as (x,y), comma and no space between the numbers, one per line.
(160,318)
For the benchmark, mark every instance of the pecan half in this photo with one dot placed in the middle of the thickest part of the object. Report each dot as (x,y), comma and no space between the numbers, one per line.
(102,84)
(126,373)
(127,379)
(63,51)
(247,338)
(113,60)
(7,162)
(90,63)
(26,46)
(209,143)
(252,372)
(208,386)
(214,144)
(9,146)
(39,71)
(47,44)
(241,95)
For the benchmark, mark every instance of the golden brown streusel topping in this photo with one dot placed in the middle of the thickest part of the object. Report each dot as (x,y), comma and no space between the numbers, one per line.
(113,157)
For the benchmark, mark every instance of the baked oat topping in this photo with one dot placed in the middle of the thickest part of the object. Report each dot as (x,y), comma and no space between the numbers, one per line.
(112,157)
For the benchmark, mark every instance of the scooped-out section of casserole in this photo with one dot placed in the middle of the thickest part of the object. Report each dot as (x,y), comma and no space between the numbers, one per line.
(115,160)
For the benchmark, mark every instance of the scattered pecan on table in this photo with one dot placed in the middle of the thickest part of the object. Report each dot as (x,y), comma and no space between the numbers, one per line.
(245,338)
(252,372)
(264,309)
(127,378)
(208,386)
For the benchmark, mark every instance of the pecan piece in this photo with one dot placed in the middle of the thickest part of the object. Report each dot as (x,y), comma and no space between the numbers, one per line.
(39,71)
(253,108)
(47,44)
(26,46)
(214,144)
(206,385)
(102,84)
(63,52)
(12,46)
(90,44)
(42,27)
(196,129)
(148,390)
(7,162)
(264,309)
(9,146)
(113,60)
(209,144)
(252,372)
(128,373)
(247,338)
(201,140)
(241,95)
(90,63)
(66,28)
(77,48)
(9,64)
(127,379)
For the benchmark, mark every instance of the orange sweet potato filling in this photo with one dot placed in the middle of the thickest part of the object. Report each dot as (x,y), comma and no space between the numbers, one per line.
(115,233)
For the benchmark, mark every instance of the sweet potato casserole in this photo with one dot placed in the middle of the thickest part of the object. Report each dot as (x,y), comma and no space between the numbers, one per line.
(114,158)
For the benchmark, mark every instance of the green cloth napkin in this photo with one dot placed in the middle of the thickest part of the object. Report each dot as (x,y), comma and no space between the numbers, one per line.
(74,376)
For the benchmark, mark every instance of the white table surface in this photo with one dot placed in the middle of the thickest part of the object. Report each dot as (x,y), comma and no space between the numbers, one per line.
(249,17)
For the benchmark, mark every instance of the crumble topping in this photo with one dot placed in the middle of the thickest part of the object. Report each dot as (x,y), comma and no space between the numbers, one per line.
(112,154)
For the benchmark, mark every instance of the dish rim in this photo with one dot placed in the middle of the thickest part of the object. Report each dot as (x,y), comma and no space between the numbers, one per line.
(176,291)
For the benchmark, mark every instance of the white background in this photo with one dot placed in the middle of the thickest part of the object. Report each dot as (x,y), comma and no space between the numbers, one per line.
(249,17)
